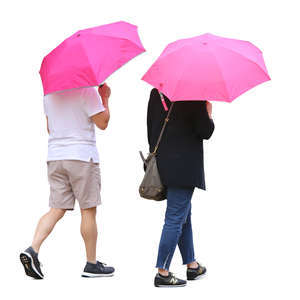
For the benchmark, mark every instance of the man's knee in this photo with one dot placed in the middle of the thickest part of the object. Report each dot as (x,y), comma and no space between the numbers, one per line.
(58,212)
(91,211)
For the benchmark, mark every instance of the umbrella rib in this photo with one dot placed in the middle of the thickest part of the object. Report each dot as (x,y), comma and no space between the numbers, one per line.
(118,68)
(172,50)
(247,58)
(86,31)
(221,72)
(114,37)
(228,96)
(251,61)
(183,69)
(174,90)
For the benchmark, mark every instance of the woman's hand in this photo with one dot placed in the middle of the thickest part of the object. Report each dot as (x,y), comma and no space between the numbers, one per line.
(209,109)
(104,91)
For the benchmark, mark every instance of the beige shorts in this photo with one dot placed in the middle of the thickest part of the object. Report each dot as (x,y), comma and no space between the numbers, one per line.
(74,179)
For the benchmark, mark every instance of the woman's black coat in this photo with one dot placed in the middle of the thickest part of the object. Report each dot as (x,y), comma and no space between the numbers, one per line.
(180,153)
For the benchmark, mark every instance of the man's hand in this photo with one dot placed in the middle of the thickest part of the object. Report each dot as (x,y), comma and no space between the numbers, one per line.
(209,109)
(104,92)
(101,119)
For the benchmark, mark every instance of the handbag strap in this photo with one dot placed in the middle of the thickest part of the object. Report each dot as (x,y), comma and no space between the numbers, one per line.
(164,126)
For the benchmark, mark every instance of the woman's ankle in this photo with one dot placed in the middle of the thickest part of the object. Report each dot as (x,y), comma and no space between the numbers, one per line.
(163,272)
(193,265)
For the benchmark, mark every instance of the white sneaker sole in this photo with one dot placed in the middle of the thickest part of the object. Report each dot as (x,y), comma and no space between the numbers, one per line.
(198,277)
(93,275)
(24,259)
(170,286)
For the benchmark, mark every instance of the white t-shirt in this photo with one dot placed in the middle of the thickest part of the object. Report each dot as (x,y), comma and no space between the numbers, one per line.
(72,132)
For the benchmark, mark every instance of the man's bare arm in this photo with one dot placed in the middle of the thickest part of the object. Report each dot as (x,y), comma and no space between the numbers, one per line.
(101,119)
(47,125)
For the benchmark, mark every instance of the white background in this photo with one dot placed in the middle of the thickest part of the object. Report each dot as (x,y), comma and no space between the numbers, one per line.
(246,226)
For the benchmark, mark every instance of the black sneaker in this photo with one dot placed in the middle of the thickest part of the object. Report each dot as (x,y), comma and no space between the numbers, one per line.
(168,281)
(31,264)
(97,270)
(196,273)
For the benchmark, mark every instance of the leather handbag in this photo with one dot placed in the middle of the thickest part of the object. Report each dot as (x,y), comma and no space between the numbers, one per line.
(151,186)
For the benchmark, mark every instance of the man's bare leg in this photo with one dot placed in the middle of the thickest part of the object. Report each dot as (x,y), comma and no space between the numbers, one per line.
(29,257)
(45,226)
(89,232)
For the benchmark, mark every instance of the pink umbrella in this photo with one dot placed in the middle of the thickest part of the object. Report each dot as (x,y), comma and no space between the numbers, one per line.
(89,56)
(207,67)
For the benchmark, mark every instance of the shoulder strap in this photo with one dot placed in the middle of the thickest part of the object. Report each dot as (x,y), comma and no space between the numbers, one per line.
(164,126)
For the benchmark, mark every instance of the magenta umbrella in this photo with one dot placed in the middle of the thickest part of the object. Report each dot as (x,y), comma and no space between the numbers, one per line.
(207,67)
(89,56)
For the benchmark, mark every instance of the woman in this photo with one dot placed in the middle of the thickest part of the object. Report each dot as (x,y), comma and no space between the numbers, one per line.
(180,164)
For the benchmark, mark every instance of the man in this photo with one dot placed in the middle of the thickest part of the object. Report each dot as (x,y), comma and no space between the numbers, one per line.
(73,171)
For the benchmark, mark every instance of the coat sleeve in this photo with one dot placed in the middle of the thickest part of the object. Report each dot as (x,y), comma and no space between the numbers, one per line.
(204,125)
(150,113)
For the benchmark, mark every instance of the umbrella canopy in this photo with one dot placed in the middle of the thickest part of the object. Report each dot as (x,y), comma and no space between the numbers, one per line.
(207,67)
(89,56)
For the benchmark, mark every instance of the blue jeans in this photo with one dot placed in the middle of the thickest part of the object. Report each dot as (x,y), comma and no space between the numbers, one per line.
(177,229)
